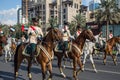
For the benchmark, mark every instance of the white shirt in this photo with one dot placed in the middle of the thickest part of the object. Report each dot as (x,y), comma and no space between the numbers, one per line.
(34,34)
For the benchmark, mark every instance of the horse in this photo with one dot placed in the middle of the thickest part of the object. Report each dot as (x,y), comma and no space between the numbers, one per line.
(75,52)
(3,41)
(110,44)
(44,54)
(89,49)
(9,49)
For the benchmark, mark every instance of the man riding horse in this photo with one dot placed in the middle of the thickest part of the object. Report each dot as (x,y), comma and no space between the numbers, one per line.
(66,38)
(34,32)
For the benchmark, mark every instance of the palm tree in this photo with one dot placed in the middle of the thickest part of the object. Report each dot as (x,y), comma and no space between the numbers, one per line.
(80,20)
(108,12)
(72,27)
(53,22)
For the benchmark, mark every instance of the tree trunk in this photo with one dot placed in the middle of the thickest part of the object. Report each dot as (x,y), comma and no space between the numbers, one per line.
(107,30)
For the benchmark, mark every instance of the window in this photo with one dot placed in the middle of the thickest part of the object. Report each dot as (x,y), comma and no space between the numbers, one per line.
(64,16)
(64,10)
(43,6)
(75,5)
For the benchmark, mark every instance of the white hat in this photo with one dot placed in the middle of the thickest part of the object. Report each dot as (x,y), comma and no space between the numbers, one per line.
(12,29)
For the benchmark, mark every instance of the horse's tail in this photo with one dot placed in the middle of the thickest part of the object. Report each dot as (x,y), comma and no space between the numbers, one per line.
(16,57)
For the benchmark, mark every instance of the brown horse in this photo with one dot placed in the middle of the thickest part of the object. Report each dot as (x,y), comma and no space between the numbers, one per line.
(3,41)
(76,52)
(44,53)
(109,48)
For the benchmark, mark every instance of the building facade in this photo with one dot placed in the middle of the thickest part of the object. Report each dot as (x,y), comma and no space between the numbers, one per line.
(46,9)
(118,3)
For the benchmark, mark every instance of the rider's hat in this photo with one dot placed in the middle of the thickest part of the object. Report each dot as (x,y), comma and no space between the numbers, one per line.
(34,20)
(65,23)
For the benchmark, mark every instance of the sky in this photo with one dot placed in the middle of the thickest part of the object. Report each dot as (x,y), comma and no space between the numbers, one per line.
(86,2)
(8,10)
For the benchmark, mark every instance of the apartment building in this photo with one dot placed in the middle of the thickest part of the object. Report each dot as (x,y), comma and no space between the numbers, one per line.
(46,9)
(118,3)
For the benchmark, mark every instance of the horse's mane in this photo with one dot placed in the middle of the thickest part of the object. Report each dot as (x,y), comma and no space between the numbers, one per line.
(77,40)
(113,39)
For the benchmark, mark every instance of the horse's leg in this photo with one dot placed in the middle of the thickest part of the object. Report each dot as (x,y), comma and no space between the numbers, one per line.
(50,71)
(80,65)
(29,67)
(60,67)
(74,68)
(9,55)
(43,67)
(6,56)
(105,55)
(114,57)
(91,59)
(65,59)
(17,65)
(84,60)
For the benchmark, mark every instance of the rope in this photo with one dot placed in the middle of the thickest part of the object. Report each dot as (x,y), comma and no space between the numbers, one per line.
(77,48)
(46,52)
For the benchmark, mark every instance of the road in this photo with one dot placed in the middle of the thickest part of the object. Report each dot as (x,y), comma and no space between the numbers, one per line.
(105,72)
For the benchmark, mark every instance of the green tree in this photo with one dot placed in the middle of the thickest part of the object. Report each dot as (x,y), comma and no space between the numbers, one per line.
(108,12)
(72,27)
(53,22)
(80,20)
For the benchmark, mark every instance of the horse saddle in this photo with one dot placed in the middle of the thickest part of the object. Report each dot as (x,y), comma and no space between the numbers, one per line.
(59,47)
(28,50)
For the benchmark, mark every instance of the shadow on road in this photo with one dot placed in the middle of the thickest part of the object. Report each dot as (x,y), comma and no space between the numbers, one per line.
(8,76)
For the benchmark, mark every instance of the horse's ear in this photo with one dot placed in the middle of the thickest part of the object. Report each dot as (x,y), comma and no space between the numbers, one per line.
(48,29)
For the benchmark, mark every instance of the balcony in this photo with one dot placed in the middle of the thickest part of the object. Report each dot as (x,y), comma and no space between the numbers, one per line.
(67,1)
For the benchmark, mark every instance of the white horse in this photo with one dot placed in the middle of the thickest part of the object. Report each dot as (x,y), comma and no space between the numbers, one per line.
(7,50)
(88,50)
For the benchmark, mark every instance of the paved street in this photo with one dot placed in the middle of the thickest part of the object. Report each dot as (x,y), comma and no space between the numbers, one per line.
(105,72)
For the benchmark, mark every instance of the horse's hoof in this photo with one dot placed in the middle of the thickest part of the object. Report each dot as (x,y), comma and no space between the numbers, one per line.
(63,75)
(64,66)
(95,70)
(49,79)
(83,69)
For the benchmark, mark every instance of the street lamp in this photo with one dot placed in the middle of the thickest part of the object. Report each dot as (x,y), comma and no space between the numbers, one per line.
(61,22)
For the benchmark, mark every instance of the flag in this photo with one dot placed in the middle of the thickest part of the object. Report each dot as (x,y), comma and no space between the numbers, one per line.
(22,28)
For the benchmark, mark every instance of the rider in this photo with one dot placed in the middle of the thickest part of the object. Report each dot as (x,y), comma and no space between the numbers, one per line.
(34,32)
(79,30)
(66,37)
(111,34)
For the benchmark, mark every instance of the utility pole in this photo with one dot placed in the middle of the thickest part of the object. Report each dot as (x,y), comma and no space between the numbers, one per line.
(61,13)
(26,5)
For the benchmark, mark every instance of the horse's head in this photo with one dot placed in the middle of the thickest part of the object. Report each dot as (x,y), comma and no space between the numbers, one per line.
(89,35)
(56,34)
(3,39)
(117,39)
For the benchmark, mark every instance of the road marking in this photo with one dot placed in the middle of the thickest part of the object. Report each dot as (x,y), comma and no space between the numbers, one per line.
(106,61)
(103,71)
(112,72)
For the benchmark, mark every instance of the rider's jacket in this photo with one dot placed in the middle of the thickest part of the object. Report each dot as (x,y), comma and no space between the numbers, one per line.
(66,35)
(34,32)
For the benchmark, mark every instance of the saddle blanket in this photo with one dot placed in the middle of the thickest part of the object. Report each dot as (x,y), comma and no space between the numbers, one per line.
(59,47)
(27,50)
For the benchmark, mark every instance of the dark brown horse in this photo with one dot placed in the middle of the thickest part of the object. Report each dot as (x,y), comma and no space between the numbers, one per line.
(110,44)
(3,41)
(44,53)
(76,52)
